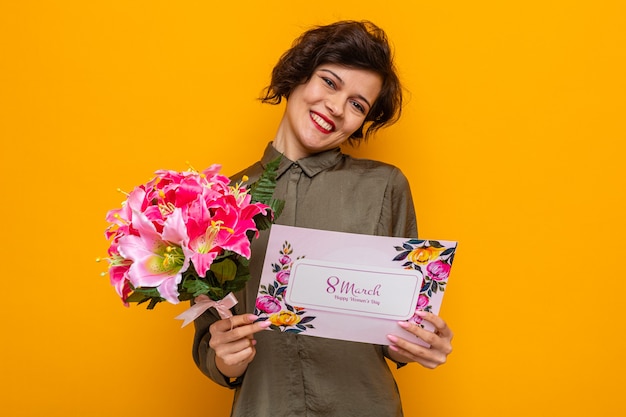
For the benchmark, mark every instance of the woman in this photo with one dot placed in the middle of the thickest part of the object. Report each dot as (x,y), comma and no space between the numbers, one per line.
(337,80)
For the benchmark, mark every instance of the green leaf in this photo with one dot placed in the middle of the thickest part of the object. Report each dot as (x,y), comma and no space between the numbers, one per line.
(263,189)
(435,244)
(277,207)
(147,291)
(447,252)
(225,254)
(186,296)
(136,297)
(196,287)
(401,256)
(224,271)
(262,222)
(142,295)
(243,261)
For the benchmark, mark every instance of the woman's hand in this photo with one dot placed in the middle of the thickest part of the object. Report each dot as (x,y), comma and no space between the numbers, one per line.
(233,342)
(431,357)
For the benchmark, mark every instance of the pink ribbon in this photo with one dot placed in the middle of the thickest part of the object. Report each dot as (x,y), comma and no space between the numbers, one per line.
(203,303)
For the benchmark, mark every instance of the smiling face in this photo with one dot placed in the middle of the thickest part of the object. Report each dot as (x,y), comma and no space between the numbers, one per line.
(323,113)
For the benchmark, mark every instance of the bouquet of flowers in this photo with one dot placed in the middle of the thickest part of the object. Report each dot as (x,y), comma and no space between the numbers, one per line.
(186,236)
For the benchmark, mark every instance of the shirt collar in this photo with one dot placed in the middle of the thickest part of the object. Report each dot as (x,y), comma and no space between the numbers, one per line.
(311,165)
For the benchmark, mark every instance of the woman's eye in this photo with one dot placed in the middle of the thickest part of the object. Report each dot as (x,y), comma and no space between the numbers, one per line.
(358,106)
(329,82)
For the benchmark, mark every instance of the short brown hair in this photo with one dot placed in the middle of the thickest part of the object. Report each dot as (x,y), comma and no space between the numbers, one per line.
(353,44)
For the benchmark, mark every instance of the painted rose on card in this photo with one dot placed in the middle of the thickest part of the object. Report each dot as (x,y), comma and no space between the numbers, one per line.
(433,260)
(285,318)
(270,303)
(283,277)
(438,270)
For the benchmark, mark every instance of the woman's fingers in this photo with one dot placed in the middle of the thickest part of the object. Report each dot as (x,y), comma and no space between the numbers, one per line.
(441,327)
(439,341)
(229,324)
(234,336)
(237,327)
(237,352)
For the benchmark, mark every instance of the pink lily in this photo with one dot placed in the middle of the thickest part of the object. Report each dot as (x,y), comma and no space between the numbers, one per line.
(118,273)
(121,219)
(158,259)
(210,235)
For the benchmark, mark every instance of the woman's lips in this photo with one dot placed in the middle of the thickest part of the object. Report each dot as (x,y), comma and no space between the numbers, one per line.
(322,123)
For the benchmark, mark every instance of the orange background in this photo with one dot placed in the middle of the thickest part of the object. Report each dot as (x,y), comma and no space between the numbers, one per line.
(512,138)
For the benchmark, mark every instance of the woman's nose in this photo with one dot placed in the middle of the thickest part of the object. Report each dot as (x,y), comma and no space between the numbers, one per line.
(334,106)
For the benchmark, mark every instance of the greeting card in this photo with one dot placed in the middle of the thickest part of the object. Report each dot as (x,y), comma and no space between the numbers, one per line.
(350,286)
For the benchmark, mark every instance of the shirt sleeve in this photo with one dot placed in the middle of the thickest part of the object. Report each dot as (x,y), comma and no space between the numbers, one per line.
(397,218)
(398,213)
(204,355)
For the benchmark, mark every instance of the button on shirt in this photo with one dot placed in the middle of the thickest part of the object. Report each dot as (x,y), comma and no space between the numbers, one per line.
(296,375)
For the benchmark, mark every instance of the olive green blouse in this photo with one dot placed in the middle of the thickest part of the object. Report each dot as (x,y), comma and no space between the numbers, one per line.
(295,375)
